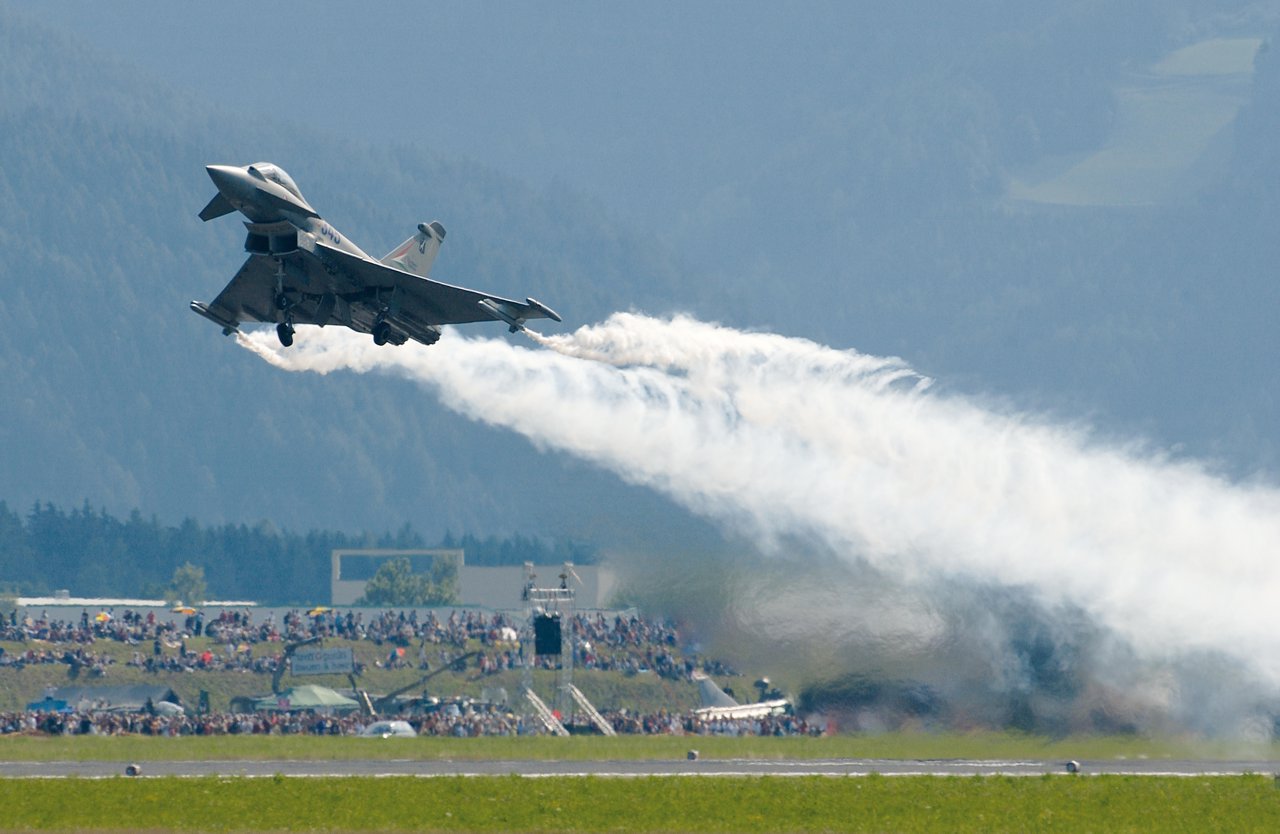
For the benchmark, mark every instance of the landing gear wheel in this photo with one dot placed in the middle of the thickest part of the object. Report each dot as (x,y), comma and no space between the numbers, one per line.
(285,332)
(381,333)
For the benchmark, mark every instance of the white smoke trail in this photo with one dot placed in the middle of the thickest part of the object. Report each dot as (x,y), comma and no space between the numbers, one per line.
(783,437)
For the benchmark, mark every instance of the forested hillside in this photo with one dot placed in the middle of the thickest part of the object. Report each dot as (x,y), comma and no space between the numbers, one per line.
(94,552)
(880,215)
(118,394)
(892,224)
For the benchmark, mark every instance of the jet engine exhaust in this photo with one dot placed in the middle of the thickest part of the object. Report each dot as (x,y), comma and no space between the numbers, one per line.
(784,438)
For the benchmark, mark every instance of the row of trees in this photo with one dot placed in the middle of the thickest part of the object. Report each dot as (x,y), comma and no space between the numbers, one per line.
(93,553)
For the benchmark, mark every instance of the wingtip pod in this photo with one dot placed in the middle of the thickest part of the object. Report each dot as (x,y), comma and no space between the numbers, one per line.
(497,311)
(228,327)
(544,309)
(511,313)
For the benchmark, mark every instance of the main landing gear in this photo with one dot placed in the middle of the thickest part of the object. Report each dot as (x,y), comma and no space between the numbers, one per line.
(284,330)
(381,330)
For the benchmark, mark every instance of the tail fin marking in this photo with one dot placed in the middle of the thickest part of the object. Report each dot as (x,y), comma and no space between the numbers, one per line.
(416,254)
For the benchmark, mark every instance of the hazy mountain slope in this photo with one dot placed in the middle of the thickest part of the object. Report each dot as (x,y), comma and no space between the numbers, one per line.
(117,393)
(887,225)
(867,210)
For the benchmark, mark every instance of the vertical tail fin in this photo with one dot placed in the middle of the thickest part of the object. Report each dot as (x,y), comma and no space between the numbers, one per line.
(712,695)
(416,254)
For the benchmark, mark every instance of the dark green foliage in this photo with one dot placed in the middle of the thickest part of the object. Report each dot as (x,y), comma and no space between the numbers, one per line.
(396,585)
(518,548)
(187,585)
(93,553)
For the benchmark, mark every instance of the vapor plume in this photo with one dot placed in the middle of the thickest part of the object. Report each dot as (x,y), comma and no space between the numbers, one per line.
(785,439)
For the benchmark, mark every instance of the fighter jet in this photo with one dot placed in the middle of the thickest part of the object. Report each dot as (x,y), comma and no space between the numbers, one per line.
(301,270)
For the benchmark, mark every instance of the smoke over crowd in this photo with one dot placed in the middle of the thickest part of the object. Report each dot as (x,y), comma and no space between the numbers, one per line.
(968,564)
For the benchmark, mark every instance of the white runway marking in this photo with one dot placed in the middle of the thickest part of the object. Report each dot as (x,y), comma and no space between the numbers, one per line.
(735,769)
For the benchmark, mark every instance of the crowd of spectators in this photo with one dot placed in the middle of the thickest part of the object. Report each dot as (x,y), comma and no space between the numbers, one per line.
(78,658)
(238,641)
(464,722)
(459,723)
(630,643)
(129,627)
(692,724)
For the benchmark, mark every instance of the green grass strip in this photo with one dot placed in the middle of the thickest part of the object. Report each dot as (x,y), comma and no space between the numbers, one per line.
(746,804)
(596,748)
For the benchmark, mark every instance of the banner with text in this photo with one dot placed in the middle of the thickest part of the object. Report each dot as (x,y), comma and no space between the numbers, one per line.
(322,661)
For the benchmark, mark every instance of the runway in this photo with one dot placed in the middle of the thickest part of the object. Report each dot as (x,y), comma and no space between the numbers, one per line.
(633,769)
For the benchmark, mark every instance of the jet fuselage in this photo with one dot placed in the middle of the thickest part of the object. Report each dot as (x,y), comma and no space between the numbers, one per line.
(265,194)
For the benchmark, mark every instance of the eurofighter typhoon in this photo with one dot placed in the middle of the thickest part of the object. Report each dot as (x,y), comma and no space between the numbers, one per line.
(301,270)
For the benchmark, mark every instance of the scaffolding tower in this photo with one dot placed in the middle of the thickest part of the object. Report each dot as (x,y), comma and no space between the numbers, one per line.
(545,610)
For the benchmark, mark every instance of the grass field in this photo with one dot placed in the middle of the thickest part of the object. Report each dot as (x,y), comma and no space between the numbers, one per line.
(582,748)
(514,804)
(660,804)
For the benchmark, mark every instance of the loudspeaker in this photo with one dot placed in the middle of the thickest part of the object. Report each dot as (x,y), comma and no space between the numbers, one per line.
(546,634)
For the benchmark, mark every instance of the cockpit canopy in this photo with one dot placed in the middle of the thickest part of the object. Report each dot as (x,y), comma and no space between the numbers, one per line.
(269,171)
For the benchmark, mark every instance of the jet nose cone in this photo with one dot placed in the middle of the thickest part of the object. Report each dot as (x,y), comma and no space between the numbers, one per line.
(222,175)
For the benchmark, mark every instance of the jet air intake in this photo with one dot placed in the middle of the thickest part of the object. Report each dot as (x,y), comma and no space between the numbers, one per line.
(271,238)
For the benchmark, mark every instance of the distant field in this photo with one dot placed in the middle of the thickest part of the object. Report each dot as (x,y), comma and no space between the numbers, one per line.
(583,748)
(1168,119)
(760,804)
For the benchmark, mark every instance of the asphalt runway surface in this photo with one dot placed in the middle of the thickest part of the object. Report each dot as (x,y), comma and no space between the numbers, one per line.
(626,769)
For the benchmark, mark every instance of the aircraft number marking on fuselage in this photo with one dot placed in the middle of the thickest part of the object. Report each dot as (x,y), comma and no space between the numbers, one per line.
(331,233)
